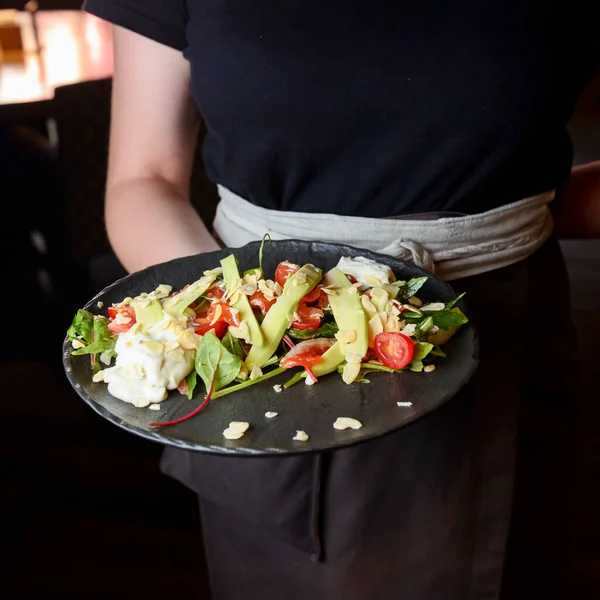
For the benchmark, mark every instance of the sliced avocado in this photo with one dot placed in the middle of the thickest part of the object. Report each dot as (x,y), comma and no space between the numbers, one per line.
(148,312)
(178,303)
(329,361)
(348,312)
(231,275)
(276,320)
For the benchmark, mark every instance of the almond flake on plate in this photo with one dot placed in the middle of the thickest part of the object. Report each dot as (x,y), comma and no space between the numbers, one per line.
(301,436)
(270,414)
(236,430)
(346,423)
(404,404)
(154,407)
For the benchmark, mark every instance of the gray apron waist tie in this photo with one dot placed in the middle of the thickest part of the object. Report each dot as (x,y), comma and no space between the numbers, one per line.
(450,247)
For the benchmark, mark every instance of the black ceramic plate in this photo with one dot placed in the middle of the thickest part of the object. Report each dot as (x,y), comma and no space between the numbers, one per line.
(309,408)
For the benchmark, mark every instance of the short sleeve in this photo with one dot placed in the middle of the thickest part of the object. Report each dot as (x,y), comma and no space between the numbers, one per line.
(163,21)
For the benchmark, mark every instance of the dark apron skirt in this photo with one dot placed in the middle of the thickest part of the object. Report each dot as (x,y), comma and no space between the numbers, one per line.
(420,514)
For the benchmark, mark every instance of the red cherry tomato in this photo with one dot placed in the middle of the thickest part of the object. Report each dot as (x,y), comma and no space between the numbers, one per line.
(284,270)
(227,314)
(310,317)
(394,349)
(203,325)
(258,300)
(126,311)
(307,353)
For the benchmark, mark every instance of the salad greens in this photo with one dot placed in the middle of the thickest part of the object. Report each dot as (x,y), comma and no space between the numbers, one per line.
(227,331)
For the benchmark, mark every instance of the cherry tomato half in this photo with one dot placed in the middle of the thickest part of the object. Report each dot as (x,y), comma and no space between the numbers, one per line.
(126,311)
(284,270)
(394,349)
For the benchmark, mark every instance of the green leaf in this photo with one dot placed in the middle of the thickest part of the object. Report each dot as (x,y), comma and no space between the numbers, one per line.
(454,302)
(104,341)
(327,330)
(295,379)
(232,344)
(416,365)
(413,286)
(82,326)
(213,360)
(426,324)
(437,351)
(192,380)
(422,349)
(248,383)
(444,319)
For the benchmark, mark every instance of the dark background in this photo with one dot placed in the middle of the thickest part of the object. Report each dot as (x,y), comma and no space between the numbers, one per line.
(85,511)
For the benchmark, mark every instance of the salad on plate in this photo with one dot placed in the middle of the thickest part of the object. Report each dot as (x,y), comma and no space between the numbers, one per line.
(230,329)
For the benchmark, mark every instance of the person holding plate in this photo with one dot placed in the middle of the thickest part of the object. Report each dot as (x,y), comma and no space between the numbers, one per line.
(433,132)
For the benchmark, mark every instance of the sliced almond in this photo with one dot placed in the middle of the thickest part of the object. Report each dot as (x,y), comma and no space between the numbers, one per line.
(278,388)
(409,329)
(189,340)
(353,358)
(392,324)
(77,344)
(351,372)
(434,306)
(256,372)
(270,414)
(213,273)
(345,336)
(415,301)
(375,328)
(218,313)
(301,436)
(429,368)
(121,319)
(98,377)
(367,304)
(346,423)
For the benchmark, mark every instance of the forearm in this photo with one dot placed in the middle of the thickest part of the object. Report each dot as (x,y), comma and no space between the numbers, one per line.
(580,213)
(148,222)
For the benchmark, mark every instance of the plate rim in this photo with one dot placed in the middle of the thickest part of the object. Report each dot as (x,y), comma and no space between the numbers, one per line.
(244,451)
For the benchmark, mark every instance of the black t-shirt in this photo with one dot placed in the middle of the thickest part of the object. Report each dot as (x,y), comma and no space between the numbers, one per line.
(381,107)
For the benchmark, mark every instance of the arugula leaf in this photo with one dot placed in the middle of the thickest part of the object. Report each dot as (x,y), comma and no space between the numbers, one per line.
(422,349)
(192,380)
(213,360)
(437,351)
(413,286)
(454,302)
(444,319)
(327,330)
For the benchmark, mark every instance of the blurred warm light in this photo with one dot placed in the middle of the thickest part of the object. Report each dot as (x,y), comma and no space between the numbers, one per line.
(75,46)
(61,56)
